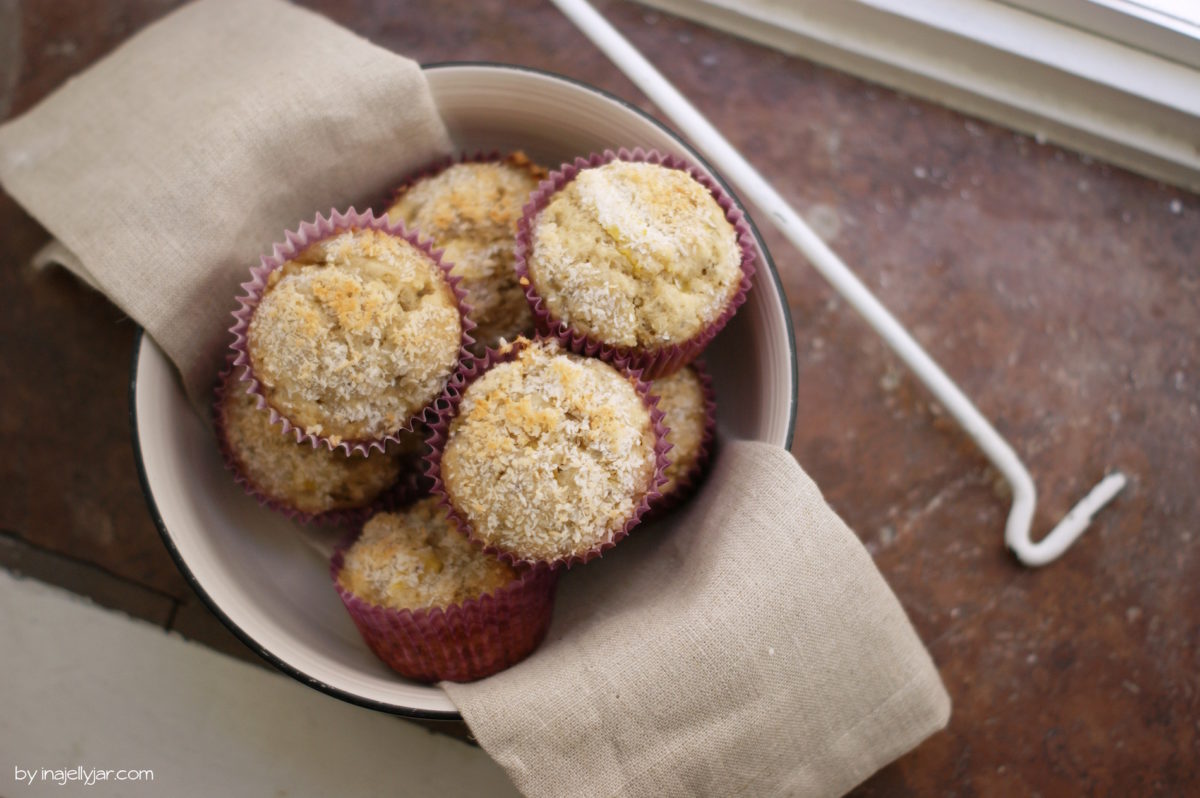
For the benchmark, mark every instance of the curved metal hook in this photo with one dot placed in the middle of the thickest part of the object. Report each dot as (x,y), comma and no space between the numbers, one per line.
(1072,525)
(739,172)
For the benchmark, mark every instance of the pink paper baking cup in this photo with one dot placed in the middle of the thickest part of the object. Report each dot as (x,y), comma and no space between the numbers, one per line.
(652,363)
(447,410)
(402,491)
(294,243)
(411,486)
(686,484)
(459,643)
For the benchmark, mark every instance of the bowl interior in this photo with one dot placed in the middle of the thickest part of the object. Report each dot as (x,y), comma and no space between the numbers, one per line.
(249,563)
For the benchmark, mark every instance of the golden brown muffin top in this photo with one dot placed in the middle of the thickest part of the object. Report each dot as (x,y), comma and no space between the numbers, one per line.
(355,335)
(416,558)
(635,254)
(681,398)
(471,211)
(312,480)
(549,454)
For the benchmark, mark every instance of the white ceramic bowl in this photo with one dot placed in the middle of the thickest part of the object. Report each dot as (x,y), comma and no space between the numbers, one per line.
(250,565)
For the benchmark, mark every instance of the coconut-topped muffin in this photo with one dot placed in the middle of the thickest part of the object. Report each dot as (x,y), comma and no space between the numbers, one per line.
(686,414)
(635,254)
(550,456)
(417,558)
(434,606)
(471,211)
(296,476)
(355,335)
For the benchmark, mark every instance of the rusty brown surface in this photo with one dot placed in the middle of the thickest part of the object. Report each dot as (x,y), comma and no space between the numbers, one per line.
(1063,294)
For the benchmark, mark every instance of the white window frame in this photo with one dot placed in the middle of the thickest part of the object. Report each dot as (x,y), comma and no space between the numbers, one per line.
(1132,22)
(1034,74)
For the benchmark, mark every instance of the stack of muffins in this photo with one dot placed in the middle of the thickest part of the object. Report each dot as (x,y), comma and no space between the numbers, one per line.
(485,414)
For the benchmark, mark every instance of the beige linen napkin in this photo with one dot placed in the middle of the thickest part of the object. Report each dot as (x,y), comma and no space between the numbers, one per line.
(747,647)
(165,170)
(752,648)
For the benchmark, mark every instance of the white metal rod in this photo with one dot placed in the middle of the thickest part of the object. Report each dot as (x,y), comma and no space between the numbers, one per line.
(737,170)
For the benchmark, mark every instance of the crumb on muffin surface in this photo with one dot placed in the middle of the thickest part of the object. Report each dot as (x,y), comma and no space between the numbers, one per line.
(355,335)
(312,480)
(417,558)
(471,211)
(635,254)
(550,453)
(681,398)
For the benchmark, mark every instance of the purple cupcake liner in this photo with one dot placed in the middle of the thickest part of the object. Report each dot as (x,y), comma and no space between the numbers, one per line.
(652,363)
(314,232)
(447,409)
(686,484)
(401,491)
(461,642)
(412,486)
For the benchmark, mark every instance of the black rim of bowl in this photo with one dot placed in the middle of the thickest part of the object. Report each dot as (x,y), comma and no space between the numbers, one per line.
(254,645)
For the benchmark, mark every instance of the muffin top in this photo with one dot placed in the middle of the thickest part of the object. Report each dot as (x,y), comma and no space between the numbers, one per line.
(635,255)
(681,398)
(312,480)
(416,558)
(355,335)
(550,453)
(471,210)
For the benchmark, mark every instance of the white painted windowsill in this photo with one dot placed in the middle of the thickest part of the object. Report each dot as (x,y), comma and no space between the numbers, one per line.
(1002,63)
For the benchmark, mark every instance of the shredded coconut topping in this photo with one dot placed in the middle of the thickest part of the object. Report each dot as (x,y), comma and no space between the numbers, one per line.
(681,398)
(355,335)
(635,254)
(311,480)
(549,454)
(471,211)
(416,558)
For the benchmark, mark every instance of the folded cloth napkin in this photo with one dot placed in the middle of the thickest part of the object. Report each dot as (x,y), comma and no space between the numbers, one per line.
(747,645)
(166,169)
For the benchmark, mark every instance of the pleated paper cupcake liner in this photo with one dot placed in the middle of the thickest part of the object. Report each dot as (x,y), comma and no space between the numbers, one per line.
(461,642)
(686,484)
(410,487)
(295,242)
(413,484)
(401,492)
(652,363)
(447,409)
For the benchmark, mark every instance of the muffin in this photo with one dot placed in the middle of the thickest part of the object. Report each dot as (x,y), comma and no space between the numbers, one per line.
(303,482)
(634,254)
(545,456)
(351,330)
(433,606)
(471,210)
(686,400)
